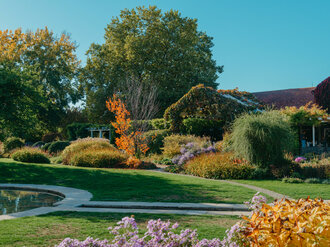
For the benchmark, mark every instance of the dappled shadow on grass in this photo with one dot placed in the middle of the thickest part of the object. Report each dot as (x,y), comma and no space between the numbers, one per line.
(125,185)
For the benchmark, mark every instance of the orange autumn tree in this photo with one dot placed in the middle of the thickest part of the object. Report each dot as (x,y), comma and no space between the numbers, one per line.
(133,142)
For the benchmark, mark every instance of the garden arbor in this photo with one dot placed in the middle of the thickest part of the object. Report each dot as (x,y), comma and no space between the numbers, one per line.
(205,102)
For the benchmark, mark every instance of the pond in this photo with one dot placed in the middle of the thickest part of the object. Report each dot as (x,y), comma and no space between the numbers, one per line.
(12,201)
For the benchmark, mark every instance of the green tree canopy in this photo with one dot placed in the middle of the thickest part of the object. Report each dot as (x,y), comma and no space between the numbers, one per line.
(37,80)
(161,49)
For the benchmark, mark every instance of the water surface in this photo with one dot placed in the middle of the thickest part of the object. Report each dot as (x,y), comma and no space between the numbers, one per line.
(12,201)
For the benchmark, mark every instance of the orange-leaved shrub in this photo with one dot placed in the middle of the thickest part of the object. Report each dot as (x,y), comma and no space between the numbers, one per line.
(304,222)
(132,142)
(133,162)
(99,158)
(81,145)
(218,166)
(29,154)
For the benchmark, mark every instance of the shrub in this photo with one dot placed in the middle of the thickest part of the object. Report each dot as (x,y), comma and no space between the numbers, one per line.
(28,154)
(155,140)
(56,160)
(99,158)
(46,146)
(292,180)
(173,143)
(203,127)
(261,173)
(319,169)
(160,124)
(141,124)
(12,143)
(166,161)
(38,144)
(133,162)
(262,139)
(58,146)
(326,181)
(1,148)
(81,145)
(289,223)
(218,166)
(50,137)
(313,181)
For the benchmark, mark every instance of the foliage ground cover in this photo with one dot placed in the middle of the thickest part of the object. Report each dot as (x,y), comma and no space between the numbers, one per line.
(296,191)
(125,185)
(51,229)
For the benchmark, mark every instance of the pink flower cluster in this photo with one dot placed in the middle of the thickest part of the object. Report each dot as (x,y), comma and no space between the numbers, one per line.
(158,234)
(300,159)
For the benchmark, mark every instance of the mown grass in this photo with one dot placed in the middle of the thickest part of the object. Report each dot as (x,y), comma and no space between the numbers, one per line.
(124,184)
(295,191)
(51,229)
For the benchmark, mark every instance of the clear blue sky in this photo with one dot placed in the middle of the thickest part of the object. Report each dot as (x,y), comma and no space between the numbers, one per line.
(263,44)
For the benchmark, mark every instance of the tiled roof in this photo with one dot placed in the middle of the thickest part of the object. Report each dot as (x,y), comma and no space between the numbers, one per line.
(287,97)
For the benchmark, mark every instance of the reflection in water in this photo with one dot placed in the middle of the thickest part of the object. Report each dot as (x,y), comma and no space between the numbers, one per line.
(12,201)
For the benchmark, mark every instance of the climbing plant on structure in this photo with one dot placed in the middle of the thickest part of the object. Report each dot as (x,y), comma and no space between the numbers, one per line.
(204,102)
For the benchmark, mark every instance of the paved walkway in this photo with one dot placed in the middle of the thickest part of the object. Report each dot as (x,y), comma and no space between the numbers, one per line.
(270,193)
(79,201)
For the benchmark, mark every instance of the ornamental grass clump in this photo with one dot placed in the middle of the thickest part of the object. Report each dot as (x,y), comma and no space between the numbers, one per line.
(81,145)
(218,166)
(29,154)
(262,139)
(99,158)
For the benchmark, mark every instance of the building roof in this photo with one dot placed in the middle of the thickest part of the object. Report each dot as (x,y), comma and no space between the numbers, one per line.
(287,97)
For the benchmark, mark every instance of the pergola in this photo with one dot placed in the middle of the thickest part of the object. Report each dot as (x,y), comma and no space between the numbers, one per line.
(313,130)
(100,131)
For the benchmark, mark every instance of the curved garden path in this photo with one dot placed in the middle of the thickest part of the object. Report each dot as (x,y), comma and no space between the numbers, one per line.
(270,193)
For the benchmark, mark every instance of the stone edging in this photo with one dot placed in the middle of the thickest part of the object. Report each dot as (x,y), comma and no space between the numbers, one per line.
(79,201)
(72,198)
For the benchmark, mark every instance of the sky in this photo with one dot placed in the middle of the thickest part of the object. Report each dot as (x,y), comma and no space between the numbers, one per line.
(263,44)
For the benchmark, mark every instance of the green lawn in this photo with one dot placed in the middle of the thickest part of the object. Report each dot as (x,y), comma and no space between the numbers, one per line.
(50,229)
(295,191)
(124,184)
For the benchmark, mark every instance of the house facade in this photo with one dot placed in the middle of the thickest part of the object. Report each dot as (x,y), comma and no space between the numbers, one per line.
(315,139)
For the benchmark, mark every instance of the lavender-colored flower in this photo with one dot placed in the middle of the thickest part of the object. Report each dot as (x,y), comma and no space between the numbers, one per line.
(255,204)
(191,150)
(159,234)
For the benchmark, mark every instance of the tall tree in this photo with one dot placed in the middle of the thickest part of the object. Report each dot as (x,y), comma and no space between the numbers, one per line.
(40,68)
(165,50)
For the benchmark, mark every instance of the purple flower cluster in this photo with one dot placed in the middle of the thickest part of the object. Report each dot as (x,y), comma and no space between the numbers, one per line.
(300,159)
(158,234)
(255,204)
(189,151)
